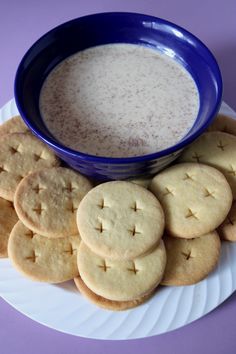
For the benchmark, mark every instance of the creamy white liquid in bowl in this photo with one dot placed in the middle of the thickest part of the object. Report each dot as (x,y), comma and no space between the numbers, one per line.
(119,100)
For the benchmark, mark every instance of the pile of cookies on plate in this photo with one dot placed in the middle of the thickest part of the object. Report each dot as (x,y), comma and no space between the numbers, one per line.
(118,240)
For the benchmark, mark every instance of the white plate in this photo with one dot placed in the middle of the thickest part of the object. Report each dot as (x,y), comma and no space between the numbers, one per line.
(61,307)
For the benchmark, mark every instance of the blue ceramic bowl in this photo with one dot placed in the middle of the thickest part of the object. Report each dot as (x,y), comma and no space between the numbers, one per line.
(103,28)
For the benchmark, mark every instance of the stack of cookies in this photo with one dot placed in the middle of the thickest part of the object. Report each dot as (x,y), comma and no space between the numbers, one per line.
(20,153)
(121,258)
(119,240)
(196,199)
(217,148)
(43,244)
(38,202)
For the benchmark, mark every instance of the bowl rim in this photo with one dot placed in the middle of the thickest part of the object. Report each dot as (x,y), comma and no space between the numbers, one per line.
(59,147)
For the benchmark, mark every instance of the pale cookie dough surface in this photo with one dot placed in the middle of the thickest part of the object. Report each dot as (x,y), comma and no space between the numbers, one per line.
(196,198)
(217,149)
(14,125)
(227,230)
(189,261)
(120,220)
(20,154)
(224,124)
(122,280)
(105,303)
(46,201)
(8,219)
(43,259)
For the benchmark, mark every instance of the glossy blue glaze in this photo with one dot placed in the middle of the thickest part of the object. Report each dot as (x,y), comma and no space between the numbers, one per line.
(97,29)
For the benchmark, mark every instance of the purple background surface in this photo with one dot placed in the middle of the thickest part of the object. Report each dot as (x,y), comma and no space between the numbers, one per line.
(214,22)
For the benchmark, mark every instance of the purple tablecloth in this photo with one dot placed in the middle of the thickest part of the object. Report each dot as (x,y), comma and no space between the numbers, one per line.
(214,22)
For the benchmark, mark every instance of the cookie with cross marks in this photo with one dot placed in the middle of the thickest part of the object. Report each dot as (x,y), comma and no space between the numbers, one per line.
(41,258)
(20,154)
(46,201)
(217,149)
(120,220)
(196,198)
(190,261)
(122,280)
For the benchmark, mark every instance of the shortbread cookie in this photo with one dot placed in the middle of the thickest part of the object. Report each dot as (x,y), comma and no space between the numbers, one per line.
(105,303)
(20,154)
(46,201)
(8,219)
(43,259)
(224,124)
(121,280)
(120,220)
(196,198)
(189,261)
(13,125)
(216,149)
(227,230)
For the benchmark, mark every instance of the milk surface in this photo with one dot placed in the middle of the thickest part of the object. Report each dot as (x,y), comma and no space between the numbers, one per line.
(119,100)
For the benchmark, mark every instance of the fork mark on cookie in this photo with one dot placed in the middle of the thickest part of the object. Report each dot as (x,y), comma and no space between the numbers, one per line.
(104,266)
(221,146)
(39,209)
(3,169)
(133,231)
(69,187)
(38,157)
(196,157)
(209,194)
(168,191)
(100,228)
(72,208)
(14,150)
(33,257)
(135,207)
(102,204)
(38,189)
(71,251)
(188,176)
(133,269)
(191,214)
(187,255)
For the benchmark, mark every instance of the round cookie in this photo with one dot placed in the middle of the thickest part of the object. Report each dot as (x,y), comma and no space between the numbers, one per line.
(196,198)
(122,280)
(13,125)
(227,230)
(216,149)
(46,201)
(43,259)
(8,219)
(20,154)
(189,261)
(105,303)
(120,220)
(224,124)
